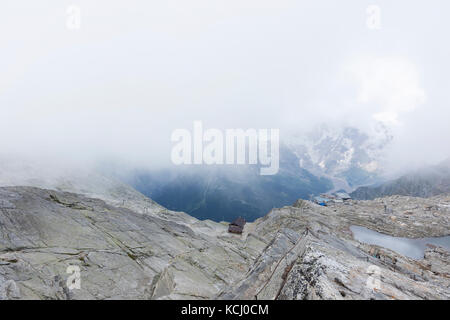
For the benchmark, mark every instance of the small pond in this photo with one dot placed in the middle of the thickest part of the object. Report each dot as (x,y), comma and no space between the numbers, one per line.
(413,248)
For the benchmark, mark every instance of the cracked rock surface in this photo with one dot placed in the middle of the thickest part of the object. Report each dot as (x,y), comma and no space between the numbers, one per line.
(136,249)
(325,262)
(121,254)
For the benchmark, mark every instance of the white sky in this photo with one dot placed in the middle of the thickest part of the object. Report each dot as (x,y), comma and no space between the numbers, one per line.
(137,70)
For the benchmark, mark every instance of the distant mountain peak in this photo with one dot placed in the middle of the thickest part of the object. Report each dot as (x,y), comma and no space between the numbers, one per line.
(342,153)
(425,182)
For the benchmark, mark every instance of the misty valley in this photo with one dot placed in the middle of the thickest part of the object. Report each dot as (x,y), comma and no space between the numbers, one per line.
(213,158)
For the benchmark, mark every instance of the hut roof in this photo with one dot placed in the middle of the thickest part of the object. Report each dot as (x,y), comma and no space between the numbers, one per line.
(235,229)
(321,199)
(343,195)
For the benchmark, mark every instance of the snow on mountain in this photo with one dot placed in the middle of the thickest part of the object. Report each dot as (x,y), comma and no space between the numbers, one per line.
(346,155)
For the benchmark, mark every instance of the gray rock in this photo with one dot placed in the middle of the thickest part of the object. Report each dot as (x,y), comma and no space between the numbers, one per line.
(121,254)
(118,251)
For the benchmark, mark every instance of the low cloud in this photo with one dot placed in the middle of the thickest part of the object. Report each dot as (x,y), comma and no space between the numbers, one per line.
(118,86)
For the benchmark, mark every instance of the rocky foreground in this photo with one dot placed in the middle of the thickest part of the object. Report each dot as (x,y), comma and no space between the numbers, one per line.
(136,249)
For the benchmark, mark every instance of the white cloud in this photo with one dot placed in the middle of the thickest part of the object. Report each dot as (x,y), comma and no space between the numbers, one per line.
(137,70)
(387,87)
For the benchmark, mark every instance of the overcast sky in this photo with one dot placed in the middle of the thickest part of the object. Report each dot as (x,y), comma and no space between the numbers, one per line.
(136,70)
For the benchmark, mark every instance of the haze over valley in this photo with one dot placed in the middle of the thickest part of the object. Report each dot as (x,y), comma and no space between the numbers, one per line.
(237,150)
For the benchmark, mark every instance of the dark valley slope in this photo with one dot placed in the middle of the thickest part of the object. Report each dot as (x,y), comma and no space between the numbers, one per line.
(426,182)
(226,192)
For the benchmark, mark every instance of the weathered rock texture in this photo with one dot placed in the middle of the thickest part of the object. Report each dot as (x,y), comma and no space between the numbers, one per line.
(121,254)
(313,254)
(135,249)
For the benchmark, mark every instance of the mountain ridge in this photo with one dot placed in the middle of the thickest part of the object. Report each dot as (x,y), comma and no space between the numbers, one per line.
(123,254)
(425,182)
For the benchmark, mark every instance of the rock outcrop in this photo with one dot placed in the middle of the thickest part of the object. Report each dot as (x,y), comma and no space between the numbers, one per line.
(48,238)
(121,254)
(313,254)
